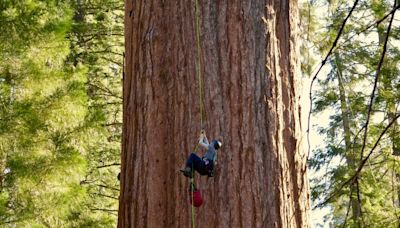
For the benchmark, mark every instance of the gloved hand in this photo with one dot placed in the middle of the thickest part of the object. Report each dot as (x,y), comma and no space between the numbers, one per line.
(201,137)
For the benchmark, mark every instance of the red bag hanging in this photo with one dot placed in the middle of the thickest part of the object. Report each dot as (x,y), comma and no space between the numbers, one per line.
(197,199)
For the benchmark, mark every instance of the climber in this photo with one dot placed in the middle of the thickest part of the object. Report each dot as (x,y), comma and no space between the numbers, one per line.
(204,165)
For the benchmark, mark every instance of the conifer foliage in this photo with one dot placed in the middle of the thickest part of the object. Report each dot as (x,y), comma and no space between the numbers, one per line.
(360,94)
(60,114)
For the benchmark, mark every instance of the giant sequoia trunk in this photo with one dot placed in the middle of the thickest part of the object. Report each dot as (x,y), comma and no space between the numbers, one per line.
(250,74)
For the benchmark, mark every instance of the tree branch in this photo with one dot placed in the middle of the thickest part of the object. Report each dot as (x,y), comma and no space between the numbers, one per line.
(112,124)
(104,210)
(106,90)
(107,196)
(111,60)
(378,71)
(322,64)
(104,166)
(105,51)
(357,173)
(348,208)
(375,23)
(108,187)
(98,185)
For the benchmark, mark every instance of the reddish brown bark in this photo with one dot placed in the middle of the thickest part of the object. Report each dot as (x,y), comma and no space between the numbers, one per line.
(250,71)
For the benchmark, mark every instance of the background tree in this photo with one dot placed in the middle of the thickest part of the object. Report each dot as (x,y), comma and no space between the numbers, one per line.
(60,112)
(251,100)
(346,93)
(96,41)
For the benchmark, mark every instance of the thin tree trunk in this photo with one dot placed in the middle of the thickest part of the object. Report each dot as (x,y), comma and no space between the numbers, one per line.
(250,69)
(350,154)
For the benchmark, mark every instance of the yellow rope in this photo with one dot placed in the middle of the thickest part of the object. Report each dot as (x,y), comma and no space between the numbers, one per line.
(198,65)
(198,62)
(192,189)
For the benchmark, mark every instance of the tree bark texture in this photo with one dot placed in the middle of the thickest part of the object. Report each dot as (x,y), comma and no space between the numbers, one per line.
(250,76)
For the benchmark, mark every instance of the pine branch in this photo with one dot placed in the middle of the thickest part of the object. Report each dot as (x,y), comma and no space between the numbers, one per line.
(322,64)
(107,91)
(103,209)
(384,174)
(372,25)
(107,196)
(108,187)
(357,173)
(86,182)
(112,124)
(104,33)
(105,166)
(101,105)
(348,208)
(378,71)
(105,51)
(108,95)
(111,60)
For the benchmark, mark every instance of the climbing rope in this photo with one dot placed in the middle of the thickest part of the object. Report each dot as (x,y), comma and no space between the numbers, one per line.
(198,63)
(198,67)
(191,187)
